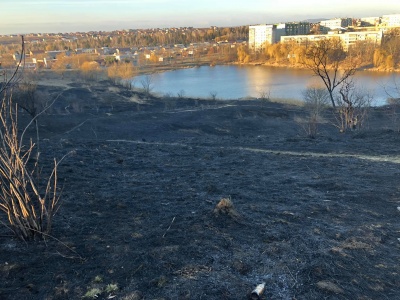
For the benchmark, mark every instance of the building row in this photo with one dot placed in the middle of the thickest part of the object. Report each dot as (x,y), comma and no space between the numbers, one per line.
(348,38)
(299,32)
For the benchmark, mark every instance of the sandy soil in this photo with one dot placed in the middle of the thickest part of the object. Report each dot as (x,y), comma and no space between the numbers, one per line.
(139,218)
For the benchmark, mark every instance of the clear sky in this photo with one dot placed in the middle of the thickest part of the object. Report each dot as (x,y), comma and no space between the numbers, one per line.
(33,16)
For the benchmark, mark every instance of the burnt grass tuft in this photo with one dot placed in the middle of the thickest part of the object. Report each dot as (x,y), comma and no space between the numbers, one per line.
(318,217)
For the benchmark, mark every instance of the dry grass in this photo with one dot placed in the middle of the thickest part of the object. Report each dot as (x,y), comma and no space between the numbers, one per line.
(29,212)
(289,101)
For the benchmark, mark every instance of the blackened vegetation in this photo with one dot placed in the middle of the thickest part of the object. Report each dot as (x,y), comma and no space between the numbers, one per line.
(318,217)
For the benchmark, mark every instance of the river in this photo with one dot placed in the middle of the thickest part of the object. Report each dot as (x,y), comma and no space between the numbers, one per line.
(239,82)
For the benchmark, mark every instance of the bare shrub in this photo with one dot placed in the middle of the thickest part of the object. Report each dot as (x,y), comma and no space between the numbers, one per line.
(25,95)
(147,84)
(352,107)
(394,112)
(393,102)
(181,94)
(264,96)
(316,100)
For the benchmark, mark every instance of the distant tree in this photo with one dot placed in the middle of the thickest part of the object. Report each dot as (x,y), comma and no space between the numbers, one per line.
(364,50)
(126,71)
(90,69)
(390,62)
(61,64)
(112,72)
(122,71)
(153,58)
(391,44)
(110,60)
(379,58)
(243,55)
(7,61)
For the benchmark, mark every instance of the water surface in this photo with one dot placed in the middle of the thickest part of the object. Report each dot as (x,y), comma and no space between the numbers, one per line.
(236,82)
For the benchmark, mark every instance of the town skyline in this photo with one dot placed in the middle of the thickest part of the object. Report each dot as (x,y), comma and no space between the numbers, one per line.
(50,16)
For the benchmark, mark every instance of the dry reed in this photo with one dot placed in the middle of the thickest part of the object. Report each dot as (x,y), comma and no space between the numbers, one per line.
(29,213)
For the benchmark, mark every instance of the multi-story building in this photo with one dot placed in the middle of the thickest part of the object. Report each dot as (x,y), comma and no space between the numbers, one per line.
(297,28)
(336,23)
(391,20)
(259,35)
(348,39)
(370,21)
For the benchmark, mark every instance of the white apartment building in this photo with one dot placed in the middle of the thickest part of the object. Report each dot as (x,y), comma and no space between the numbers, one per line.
(348,38)
(391,20)
(337,23)
(259,35)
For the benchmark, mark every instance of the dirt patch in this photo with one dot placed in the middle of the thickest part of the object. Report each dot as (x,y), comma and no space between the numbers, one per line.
(141,214)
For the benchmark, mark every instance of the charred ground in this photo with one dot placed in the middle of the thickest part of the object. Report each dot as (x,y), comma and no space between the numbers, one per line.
(314,218)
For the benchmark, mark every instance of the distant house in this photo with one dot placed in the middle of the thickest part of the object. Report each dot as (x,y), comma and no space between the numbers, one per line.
(17,57)
(123,57)
(85,50)
(36,53)
(53,54)
(105,51)
(120,51)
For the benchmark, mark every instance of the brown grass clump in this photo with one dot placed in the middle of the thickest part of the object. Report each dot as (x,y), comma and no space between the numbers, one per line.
(225,207)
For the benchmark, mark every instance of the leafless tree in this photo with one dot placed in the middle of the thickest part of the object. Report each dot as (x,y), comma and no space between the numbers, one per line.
(213,95)
(326,58)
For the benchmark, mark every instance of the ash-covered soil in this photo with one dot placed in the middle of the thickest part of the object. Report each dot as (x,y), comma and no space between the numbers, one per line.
(311,218)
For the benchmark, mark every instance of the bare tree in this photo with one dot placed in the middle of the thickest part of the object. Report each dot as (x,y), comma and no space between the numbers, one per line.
(326,58)
(213,95)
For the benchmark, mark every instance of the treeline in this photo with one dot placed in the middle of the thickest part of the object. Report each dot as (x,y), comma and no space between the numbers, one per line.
(369,55)
(136,38)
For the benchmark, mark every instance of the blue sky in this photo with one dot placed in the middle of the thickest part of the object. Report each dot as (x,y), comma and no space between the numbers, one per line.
(25,16)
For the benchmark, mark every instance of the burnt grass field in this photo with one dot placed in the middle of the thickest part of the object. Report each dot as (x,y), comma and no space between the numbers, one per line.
(139,215)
